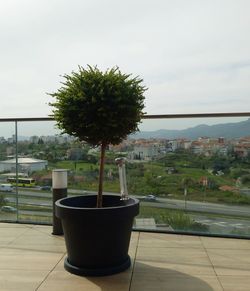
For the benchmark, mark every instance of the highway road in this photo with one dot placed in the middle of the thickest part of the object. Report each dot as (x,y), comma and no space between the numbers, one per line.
(233,210)
(237,220)
(30,197)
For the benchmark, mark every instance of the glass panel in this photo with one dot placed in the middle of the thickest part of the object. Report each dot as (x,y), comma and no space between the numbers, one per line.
(37,151)
(192,175)
(8,201)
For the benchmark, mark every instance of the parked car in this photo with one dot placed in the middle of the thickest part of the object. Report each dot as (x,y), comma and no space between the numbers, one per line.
(7,208)
(149,198)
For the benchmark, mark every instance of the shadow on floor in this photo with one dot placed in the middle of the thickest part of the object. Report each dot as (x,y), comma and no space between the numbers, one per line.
(147,278)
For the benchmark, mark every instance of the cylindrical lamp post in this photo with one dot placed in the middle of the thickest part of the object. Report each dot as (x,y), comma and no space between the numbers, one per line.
(59,186)
(122,177)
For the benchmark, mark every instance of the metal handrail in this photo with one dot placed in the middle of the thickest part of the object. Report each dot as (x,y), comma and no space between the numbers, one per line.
(197,115)
(148,116)
(27,119)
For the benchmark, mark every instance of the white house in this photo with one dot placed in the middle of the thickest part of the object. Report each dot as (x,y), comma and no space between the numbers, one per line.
(145,152)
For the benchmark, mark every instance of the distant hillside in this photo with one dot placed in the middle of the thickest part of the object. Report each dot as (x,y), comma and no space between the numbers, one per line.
(227,130)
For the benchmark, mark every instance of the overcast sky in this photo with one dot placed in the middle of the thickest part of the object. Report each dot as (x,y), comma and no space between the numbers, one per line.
(194,55)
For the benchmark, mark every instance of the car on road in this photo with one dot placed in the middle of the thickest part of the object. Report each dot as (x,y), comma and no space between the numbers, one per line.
(150,198)
(45,188)
(6,187)
(7,208)
(6,200)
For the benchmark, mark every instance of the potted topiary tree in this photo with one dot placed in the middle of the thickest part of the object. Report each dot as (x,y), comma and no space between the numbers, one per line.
(100,108)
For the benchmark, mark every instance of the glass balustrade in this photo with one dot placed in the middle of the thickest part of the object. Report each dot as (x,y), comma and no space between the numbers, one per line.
(190,174)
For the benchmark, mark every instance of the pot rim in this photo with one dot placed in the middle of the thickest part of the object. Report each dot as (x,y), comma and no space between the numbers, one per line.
(132,202)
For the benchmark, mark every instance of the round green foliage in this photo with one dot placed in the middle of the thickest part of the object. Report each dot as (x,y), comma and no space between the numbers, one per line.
(99,107)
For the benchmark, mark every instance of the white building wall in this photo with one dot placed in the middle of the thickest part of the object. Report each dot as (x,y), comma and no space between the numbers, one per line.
(145,152)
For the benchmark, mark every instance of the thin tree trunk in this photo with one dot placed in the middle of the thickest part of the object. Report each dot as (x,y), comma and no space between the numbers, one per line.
(101,171)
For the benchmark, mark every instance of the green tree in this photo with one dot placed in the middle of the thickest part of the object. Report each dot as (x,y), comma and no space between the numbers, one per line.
(100,108)
(221,164)
(186,182)
(245,179)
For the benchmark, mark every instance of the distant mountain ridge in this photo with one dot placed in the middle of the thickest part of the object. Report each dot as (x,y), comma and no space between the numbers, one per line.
(226,130)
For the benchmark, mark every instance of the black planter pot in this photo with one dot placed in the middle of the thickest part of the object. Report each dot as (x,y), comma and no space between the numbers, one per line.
(97,239)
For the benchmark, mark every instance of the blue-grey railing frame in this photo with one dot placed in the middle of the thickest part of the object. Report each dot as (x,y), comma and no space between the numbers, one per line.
(147,116)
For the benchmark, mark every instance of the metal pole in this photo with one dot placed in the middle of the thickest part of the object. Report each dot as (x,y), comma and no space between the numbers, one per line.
(185,195)
(16,141)
(59,186)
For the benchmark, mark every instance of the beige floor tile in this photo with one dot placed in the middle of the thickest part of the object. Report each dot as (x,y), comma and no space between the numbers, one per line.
(60,265)
(9,233)
(16,259)
(38,232)
(64,281)
(37,248)
(40,248)
(14,225)
(43,228)
(168,268)
(230,262)
(134,239)
(20,280)
(6,240)
(174,281)
(33,239)
(12,231)
(132,251)
(225,243)
(191,261)
(235,283)
(135,235)
(169,240)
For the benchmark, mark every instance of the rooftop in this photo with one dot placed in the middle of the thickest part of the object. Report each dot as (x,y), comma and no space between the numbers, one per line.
(24,161)
(32,259)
